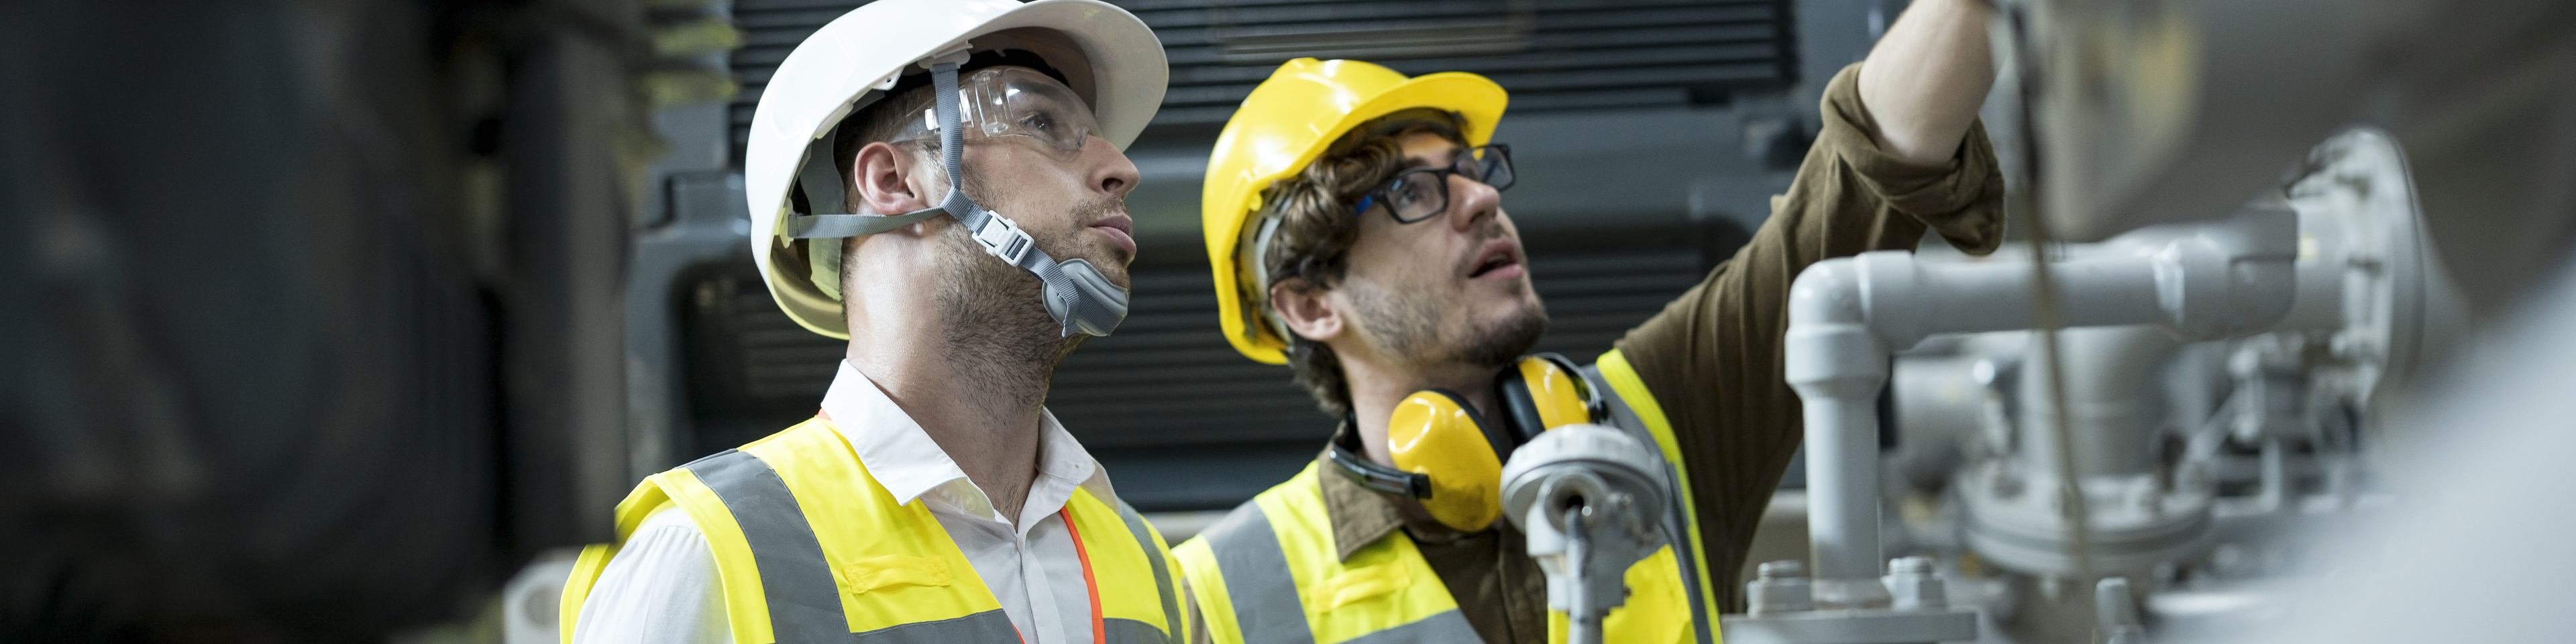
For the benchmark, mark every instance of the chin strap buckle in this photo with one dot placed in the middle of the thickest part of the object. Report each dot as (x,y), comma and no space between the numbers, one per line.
(1004,239)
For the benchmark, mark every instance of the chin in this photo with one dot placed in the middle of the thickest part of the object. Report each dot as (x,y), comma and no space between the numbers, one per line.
(1112,265)
(1501,309)
(1115,257)
(1505,335)
(1083,245)
(1517,301)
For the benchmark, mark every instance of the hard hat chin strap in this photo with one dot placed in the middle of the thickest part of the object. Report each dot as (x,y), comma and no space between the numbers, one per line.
(1077,295)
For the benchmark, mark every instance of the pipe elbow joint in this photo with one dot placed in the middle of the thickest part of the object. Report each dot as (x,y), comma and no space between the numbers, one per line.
(1829,349)
(1828,292)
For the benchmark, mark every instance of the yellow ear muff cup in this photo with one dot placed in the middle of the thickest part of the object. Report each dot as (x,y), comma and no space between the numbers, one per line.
(1555,393)
(1433,433)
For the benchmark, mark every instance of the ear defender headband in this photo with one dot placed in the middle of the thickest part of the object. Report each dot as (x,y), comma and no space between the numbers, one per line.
(1450,458)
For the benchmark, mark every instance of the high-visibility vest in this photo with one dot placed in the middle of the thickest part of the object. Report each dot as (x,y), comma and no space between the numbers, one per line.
(810,548)
(1269,572)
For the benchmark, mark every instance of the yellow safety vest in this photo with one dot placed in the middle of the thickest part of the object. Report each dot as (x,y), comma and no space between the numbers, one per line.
(810,548)
(1268,573)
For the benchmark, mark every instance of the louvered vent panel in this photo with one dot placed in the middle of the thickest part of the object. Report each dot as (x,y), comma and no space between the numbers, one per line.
(781,360)
(1552,54)
(1167,379)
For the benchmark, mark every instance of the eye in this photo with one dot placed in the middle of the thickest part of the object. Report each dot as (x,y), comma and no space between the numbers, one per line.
(1415,189)
(1468,167)
(1039,122)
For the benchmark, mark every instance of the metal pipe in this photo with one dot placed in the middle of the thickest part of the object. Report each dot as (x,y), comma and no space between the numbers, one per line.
(2112,382)
(1846,316)
(1837,365)
(1582,625)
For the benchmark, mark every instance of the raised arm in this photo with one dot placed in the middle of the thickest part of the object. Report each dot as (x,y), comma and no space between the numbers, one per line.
(1924,80)
(1712,358)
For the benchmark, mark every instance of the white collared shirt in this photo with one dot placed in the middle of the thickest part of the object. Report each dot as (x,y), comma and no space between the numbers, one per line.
(661,587)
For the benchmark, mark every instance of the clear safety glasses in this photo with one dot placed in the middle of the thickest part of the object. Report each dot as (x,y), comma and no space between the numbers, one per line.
(1417,194)
(1016,101)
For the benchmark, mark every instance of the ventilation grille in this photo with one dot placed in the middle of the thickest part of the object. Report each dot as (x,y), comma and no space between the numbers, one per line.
(749,370)
(1551,54)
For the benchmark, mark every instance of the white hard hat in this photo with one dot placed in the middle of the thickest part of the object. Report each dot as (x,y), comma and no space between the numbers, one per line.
(1113,60)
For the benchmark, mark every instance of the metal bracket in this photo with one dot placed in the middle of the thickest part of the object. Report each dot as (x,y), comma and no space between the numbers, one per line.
(1004,239)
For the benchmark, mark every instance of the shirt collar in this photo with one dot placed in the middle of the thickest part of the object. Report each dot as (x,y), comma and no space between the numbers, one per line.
(908,464)
(1359,516)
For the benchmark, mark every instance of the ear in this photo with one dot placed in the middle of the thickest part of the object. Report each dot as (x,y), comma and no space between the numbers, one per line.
(892,180)
(1308,311)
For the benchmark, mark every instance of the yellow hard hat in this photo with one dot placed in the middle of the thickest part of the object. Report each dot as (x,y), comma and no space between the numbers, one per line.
(1285,124)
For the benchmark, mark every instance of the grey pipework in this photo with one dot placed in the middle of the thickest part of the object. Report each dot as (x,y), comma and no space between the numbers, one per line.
(1846,315)
(2113,399)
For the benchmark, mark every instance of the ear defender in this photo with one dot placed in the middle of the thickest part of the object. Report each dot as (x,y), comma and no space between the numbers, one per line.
(1541,393)
(1447,456)
(1435,432)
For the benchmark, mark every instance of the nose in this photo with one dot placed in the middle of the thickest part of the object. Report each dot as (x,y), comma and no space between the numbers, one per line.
(1471,202)
(1113,176)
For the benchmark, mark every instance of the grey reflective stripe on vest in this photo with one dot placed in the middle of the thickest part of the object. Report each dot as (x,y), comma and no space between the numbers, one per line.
(1676,518)
(1256,578)
(987,626)
(1120,630)
(1162,573)
(1444,627)
(804,603)
(1264,593)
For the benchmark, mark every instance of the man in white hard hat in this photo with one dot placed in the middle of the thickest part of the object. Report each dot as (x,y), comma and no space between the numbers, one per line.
(940,183)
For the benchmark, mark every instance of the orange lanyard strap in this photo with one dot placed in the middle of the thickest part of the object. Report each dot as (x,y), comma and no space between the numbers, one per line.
(1099,628)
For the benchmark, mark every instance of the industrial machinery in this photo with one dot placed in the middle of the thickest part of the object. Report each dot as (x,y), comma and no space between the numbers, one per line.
(2172,428)
(2211,386)
(2196,462)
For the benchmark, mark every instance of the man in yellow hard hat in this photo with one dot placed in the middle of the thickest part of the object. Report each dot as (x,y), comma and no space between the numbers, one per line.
(1356,232)
(941,184)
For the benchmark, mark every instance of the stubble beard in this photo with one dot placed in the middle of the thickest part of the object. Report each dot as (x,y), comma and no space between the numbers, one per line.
(1412,330)
(994,322)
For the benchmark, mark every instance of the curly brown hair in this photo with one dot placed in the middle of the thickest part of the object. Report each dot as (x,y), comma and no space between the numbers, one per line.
(1317,227)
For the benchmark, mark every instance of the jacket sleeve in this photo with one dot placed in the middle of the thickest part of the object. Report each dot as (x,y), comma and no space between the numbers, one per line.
(1712,358)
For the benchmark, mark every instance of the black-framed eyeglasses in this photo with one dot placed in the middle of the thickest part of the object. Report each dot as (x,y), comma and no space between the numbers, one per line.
(1417,194)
